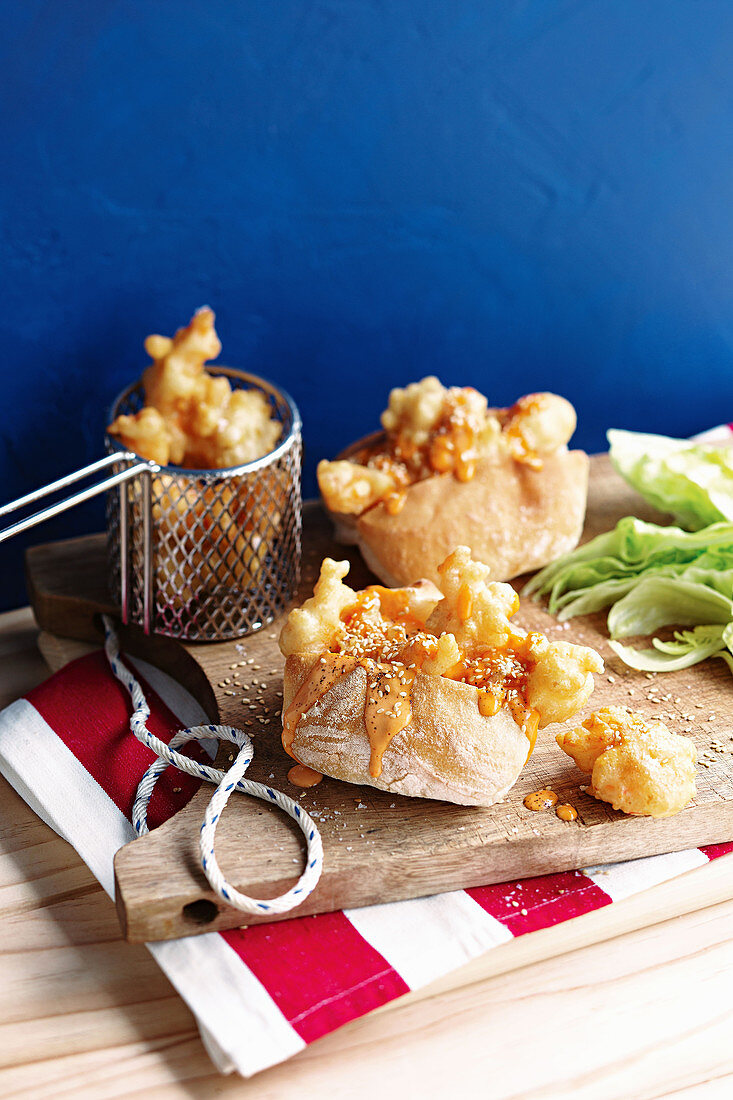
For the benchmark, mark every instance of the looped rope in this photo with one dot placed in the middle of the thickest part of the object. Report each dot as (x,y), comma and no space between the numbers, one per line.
(227,782)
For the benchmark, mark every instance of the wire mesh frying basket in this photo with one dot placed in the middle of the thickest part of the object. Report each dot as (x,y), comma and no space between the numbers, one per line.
(207,555)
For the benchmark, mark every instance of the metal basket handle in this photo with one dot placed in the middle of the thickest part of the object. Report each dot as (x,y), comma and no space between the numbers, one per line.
(136,467)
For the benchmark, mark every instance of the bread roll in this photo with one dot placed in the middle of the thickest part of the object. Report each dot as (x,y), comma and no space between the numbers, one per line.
(448,750)
(423,691)
(513,517)
(450,470)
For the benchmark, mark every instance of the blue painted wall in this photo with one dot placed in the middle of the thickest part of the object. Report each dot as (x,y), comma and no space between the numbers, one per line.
(517,195)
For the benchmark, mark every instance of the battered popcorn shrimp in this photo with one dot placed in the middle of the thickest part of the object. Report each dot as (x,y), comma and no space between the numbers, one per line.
(561,681)
(199,419)
(638,765)
(145,433)
(312,627)
(247,431)
(211,404)
(446,656)
(350,488)
(174,377)
(415,410)
(539,423)
(473,608)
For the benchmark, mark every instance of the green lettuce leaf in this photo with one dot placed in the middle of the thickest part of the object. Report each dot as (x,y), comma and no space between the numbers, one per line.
(688,648)
(692,481)
(651,577)
(608,567)
(668,601)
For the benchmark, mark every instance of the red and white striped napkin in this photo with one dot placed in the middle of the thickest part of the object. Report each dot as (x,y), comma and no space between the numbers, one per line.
(263,993)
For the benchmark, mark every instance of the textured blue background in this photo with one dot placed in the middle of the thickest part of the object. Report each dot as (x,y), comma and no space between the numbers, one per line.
(514,195)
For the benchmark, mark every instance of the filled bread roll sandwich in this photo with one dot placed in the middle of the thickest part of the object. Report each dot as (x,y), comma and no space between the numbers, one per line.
(448,469)
(424,691)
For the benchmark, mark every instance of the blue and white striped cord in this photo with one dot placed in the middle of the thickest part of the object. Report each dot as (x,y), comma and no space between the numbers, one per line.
(228,782)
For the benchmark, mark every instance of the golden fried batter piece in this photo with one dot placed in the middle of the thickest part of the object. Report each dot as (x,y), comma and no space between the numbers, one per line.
(415,412)
(312,627)
(537,424)
(174,377)
(355,487)
(202,423)
(474,609)
(561,681)
(477,611)
(637,764)
(146,433)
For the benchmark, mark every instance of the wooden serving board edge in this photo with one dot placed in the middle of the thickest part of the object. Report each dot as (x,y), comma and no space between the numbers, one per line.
(154,920)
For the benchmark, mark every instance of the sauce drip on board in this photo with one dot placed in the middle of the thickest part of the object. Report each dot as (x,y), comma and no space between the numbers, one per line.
(566,812)
(303,776)
(544,799)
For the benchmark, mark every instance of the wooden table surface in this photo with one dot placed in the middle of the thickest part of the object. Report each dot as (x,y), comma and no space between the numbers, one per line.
(645,1012)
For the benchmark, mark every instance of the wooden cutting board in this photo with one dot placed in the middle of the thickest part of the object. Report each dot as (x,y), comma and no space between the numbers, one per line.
(381,847)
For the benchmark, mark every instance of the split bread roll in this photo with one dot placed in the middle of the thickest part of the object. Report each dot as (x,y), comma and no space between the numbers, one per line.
(424,691)
(448,750)
(448,469)
(515,519)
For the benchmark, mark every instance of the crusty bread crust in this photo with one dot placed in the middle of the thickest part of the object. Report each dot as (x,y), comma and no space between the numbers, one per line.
(448,750)
(513,518)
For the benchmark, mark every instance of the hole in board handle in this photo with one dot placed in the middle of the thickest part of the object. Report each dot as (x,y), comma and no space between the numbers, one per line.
(201,912)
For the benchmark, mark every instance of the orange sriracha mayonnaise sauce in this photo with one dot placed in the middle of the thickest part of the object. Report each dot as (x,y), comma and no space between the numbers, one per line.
(382,637)
(449,449)
(452,447)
